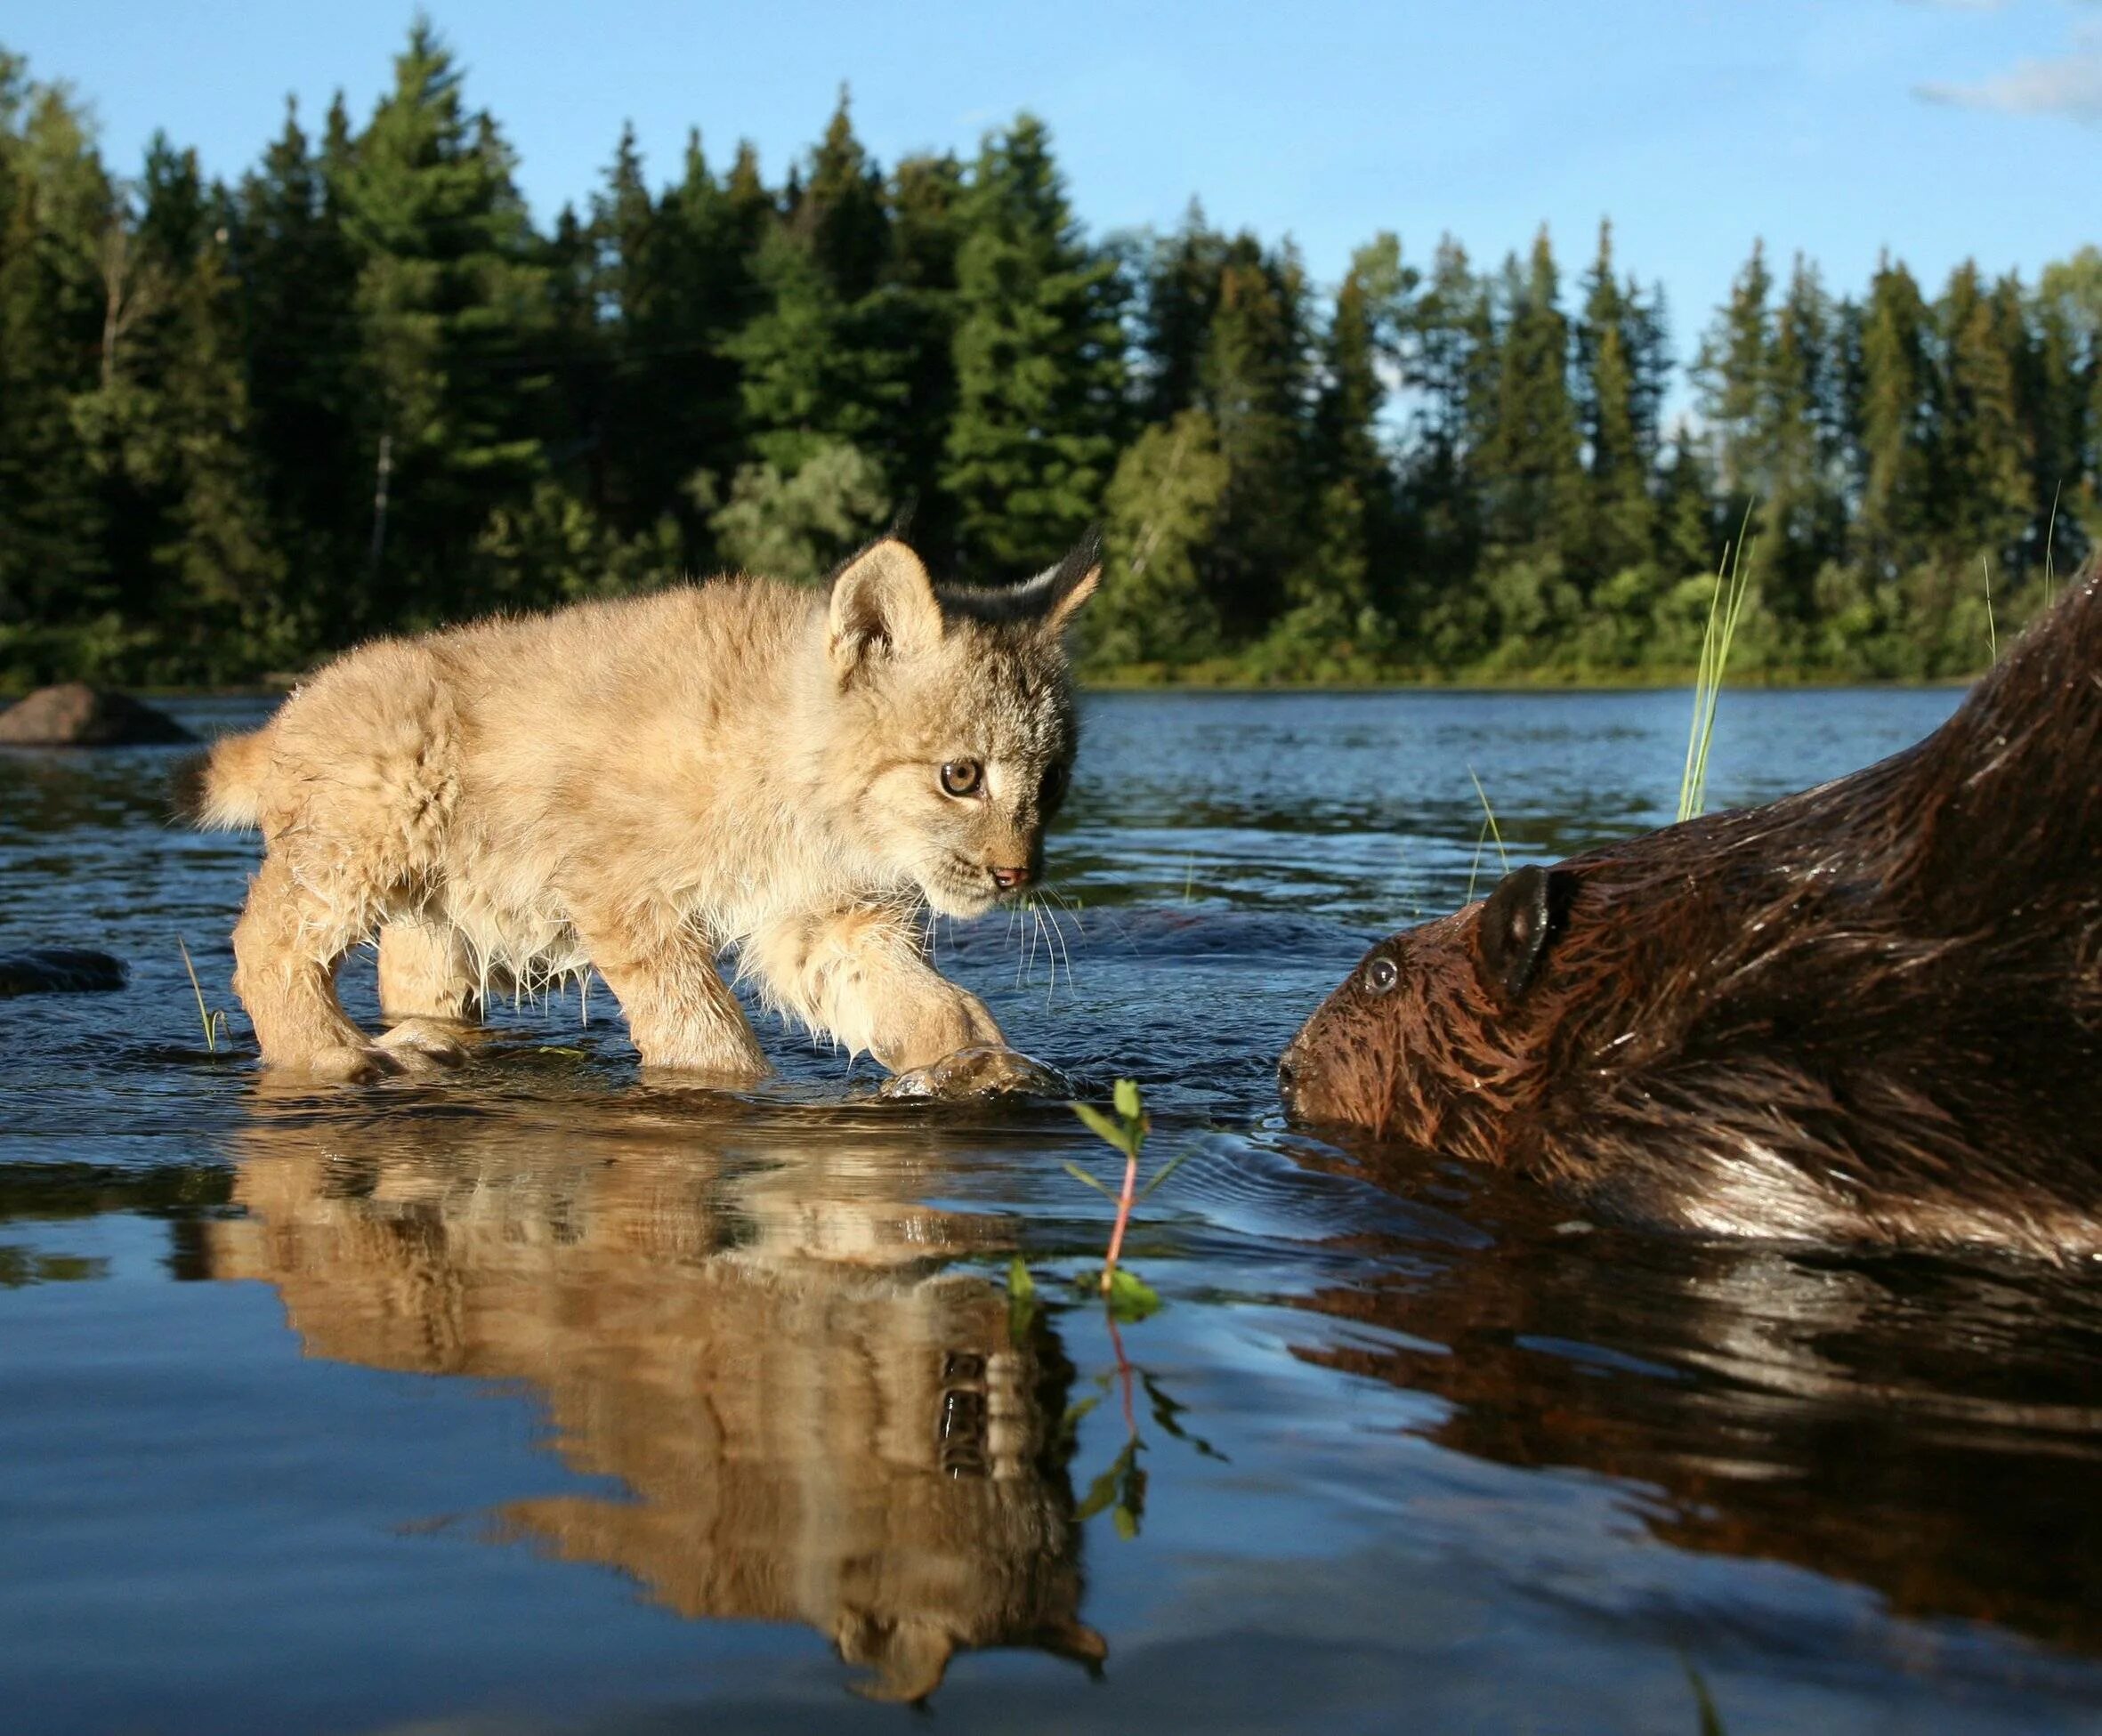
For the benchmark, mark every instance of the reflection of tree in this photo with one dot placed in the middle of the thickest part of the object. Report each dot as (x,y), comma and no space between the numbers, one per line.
(1929,1432)
(815,1422)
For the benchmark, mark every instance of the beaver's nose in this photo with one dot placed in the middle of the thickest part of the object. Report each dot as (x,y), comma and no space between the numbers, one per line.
(1288,1078)
(1007,878)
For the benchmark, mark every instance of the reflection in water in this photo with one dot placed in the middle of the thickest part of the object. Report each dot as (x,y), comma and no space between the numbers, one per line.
(1927,1429)
(811,1420)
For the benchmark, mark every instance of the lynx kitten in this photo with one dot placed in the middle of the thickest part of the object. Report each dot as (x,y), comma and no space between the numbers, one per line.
(636,786)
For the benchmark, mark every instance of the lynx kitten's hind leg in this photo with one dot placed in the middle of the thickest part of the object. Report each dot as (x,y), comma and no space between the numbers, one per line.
(425,972)
(680,1011)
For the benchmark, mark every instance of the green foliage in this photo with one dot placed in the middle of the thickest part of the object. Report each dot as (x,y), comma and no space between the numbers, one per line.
(801,525)
(1040,362)
(358,391)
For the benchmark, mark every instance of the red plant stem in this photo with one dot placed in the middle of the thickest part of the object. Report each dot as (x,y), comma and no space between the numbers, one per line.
(1123,1376)
(1123,1219)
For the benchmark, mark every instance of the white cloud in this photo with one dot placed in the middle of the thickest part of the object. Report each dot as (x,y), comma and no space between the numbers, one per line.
(2070,85)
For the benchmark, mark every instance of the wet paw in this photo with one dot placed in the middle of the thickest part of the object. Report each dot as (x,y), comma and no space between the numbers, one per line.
(420,1045)
(988,1070)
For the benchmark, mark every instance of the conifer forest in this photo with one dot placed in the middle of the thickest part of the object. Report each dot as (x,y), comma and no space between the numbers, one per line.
(359,390)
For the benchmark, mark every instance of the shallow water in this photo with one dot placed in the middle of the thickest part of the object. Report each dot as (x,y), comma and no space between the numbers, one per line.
(545,1399)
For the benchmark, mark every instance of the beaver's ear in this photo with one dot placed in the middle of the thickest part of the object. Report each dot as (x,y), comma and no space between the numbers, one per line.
(1518,922)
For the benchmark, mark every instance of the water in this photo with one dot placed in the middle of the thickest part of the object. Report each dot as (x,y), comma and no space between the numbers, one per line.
(545,1399)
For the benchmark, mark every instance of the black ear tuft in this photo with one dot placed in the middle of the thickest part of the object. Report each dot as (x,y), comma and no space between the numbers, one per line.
(1518,922)
(1072,581)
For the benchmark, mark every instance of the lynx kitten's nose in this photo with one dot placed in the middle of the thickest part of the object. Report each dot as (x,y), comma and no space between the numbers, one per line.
(1007,878)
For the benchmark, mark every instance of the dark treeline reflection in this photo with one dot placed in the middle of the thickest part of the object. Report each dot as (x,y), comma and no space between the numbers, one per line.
(358,390)
(810,1418)
(1927,1429)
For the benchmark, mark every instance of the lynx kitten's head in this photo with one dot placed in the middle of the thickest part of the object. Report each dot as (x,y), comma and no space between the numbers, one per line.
(954,718)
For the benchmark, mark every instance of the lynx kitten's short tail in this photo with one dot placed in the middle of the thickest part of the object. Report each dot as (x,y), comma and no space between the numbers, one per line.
(222,788)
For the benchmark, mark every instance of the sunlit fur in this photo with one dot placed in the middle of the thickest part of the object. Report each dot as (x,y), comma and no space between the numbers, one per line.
(1872,1011)
(637,786)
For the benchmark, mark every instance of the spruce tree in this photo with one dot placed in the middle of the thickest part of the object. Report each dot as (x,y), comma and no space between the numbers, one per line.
(1894,426)
(1039,363)
(1531,470)
(1982,468)
(1255,384)
(1620,528)
(453,305)
(57,214)
(298,280)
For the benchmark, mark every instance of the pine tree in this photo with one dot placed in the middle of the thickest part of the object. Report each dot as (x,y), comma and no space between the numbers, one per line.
(1256,385)
(1355,548)
(1982,468)
(452,301)
(1531,473)
(298,277)
(1796,447)
(1180,295)
(57,210)
(919,317)
(1449,362)
(1615,418)
(1039,363)
(1733,372)
(1894,425)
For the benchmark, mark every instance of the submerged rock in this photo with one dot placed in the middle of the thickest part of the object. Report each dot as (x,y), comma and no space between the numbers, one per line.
(59,971)
(74,714)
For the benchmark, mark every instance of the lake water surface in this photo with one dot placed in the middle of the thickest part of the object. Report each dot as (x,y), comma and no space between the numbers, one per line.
(547,1398)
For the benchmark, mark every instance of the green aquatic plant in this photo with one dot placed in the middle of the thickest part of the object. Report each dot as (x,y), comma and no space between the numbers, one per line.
(1733,581)
(1991,628)
(212,1019)
(1489,830)
(1125,1132)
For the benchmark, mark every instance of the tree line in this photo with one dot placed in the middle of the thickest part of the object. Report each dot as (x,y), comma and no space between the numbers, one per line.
(359,391)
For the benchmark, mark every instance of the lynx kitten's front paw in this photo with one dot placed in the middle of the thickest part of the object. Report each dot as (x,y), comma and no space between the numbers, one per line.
(987,1070)
(421,1046)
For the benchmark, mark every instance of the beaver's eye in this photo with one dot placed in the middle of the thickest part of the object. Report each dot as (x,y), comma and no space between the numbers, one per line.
(1381,975)
(1053,788)
(961,776)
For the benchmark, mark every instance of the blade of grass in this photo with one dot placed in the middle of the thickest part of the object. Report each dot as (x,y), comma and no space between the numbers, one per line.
(204,1016)
(1726,608)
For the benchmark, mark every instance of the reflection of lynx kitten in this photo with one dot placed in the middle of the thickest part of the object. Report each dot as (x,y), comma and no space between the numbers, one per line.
(809,1426)
(635,785)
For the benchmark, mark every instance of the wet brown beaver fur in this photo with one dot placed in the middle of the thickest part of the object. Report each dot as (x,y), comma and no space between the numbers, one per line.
(1869,1012)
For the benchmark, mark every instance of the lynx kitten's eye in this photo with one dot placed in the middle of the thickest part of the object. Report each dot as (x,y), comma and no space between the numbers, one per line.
(961,776)
(1380,975)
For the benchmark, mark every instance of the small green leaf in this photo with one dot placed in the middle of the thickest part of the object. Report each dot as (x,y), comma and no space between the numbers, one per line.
(1021,1301)
(1079,1175)
(1101,1492)
(1131,1297)
(1021,1285)
(1075,1414)
(1128,1103)
(1114,1132)
(1125,1522)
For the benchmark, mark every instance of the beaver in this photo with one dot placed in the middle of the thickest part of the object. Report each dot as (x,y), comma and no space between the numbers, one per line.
(1869,1013)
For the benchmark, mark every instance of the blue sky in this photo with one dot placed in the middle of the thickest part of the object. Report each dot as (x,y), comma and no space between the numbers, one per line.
(1938,128)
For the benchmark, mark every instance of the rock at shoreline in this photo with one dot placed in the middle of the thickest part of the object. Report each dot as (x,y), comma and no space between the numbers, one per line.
(74,714)
(59,971)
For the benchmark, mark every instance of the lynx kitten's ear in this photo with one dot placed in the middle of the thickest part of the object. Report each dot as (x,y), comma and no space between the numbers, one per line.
(1072,582)
(882,601)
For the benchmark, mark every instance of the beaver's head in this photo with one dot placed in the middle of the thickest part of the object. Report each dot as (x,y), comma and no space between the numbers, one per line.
(1437,1037)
